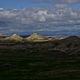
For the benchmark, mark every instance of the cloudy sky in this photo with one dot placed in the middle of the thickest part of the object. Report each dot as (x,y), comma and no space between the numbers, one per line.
(55,16)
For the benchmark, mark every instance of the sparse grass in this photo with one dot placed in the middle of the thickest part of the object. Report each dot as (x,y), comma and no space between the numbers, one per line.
(57,60)
(38,64)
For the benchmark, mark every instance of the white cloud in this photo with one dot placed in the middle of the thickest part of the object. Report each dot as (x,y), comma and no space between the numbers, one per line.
(71,1)
(39,19)
(57,1)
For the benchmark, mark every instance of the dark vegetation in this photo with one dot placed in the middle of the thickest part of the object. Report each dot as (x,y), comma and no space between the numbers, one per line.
(56,60)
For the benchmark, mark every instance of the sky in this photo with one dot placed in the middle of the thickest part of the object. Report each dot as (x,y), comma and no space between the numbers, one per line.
(37,3)
(56,16)
(21,3)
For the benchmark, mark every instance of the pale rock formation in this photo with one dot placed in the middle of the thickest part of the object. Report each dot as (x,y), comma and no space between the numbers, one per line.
(15,38)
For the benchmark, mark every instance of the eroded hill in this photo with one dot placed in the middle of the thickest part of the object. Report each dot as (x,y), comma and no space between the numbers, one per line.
(52,60)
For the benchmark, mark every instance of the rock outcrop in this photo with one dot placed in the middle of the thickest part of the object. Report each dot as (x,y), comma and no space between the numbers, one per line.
(35,37)
(14,38)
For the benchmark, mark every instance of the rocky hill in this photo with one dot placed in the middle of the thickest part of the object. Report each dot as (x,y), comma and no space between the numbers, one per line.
(69,44)
(51,60)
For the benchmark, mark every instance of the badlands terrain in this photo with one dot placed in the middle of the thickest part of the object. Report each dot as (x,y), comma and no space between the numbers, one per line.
(38,57)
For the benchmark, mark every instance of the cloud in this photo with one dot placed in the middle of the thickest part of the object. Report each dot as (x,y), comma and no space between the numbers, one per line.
(57,1)
(71,1)
(39,19)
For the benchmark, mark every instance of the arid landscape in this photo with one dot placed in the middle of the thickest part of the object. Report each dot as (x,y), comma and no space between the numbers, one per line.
(55,59)
(39,39)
